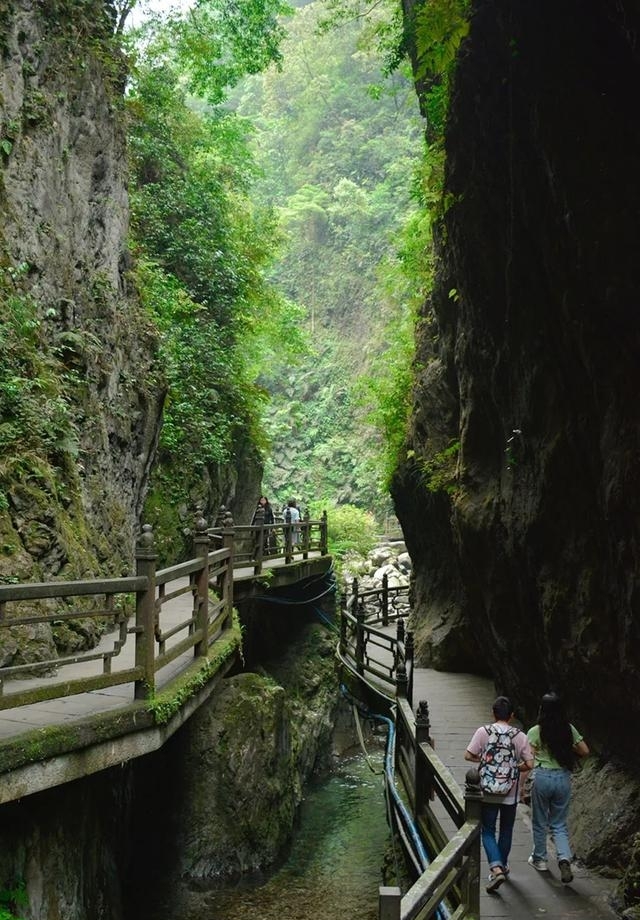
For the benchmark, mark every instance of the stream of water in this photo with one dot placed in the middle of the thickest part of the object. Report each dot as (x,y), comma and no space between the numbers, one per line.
(335,864)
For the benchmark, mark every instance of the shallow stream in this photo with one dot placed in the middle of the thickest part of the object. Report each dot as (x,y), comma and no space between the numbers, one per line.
(335,864)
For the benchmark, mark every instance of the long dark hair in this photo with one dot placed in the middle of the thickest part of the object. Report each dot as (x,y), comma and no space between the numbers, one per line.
(555,730)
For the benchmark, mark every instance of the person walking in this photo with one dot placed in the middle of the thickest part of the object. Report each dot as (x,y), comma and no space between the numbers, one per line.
(503,752)
(263,515)
(556,745)
(292,516)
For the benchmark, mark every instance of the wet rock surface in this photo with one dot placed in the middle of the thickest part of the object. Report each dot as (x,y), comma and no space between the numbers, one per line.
(238,773)
(526,565)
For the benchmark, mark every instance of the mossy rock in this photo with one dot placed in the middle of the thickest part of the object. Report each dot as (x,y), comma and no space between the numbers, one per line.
(15,562)
(629,888)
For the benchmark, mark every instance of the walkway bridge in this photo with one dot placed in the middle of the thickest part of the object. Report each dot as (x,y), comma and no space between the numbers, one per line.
(433,799)
(169,637)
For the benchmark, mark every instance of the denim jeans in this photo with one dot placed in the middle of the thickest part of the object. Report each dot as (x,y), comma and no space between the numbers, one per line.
(497,850)
(549,806)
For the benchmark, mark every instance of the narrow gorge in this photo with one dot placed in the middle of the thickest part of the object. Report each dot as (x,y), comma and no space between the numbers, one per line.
(516,485)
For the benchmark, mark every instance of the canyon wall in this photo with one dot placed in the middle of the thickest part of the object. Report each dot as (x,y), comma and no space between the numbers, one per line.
(64,258)
(81,386)
(518,497)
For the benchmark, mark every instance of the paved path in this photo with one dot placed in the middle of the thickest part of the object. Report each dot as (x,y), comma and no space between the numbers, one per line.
(458,704)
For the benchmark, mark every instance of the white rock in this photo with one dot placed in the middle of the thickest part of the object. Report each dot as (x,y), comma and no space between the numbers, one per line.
(390,570)
(404,562)
(380,555)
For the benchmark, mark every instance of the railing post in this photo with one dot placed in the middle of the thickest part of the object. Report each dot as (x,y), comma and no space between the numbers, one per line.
(259,541)
(201,586)
(401,680)
(389,903)
(421,776)
(324,540)
(343,625)
(306,535)
(228,537)
(360,643)
(146,615)
(472,812)
(400,667)
(408,660)
(385,599)
(288,542)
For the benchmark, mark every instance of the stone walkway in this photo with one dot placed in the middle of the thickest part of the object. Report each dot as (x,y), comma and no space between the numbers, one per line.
(458,704)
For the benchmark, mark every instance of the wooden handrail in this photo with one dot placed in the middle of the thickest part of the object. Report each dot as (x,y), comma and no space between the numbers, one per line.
(207,579)
(50,589)
(256,544)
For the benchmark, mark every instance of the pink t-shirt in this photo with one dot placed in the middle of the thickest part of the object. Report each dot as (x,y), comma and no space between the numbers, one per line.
(521,747)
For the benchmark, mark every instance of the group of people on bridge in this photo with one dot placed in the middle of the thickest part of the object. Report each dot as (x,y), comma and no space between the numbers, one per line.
(265,514)
(532,768)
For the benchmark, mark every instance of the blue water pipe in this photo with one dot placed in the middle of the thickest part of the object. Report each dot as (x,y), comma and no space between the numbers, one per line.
(442,912)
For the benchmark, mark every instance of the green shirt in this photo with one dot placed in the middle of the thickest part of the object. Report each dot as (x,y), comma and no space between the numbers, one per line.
(543,757)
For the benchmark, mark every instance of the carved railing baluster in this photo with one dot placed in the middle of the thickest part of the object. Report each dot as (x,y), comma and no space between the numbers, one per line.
(145,615)
(201,584)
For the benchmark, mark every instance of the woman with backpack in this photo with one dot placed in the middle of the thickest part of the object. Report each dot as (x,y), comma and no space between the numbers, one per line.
(502,752)
(556,746)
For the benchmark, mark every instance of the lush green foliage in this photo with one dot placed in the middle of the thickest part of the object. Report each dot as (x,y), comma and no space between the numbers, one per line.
(218,42)
(202,250)
(440,470)
(12,899)
(349,529)
(38,435)
(440,27)
(338,145)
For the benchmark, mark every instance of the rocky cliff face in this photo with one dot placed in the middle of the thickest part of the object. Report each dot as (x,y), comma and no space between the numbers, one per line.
(526,551)
(65,851)
(63,240)
(535,544)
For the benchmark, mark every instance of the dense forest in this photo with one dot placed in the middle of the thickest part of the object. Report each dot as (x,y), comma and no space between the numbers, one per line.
(300,334)
(338,144)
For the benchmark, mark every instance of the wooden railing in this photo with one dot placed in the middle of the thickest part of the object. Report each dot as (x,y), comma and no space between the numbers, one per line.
(130,607)
(446,823)
(144,630)
(255,545)
(372,652)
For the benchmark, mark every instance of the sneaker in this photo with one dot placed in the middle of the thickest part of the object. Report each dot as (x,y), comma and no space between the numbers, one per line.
(565,871)
(495,880)
(539,864)
(507,870)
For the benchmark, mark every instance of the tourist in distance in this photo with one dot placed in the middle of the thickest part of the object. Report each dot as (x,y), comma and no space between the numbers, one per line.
(556,746)
(264,515)
(292,516)
(503,752)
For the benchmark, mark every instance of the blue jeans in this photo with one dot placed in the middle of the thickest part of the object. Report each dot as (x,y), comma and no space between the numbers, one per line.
(497,850)
(549,806)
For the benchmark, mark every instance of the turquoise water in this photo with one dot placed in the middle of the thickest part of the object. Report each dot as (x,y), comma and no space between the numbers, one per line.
(334,867)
